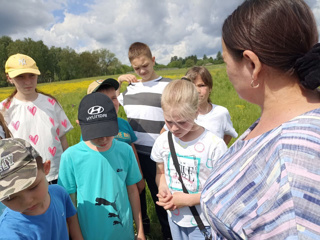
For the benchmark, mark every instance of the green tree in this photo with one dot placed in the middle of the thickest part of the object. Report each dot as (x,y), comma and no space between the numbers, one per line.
(175,64)
(55,56)
(4,42)
(69,64)
(200,62)
(107,61)
(89,64)
(189,63)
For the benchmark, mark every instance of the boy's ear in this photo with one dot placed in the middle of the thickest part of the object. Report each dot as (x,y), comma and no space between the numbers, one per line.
(154,59)
(46,167)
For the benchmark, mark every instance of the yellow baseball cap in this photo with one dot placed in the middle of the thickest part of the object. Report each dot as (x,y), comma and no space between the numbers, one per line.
(19,64)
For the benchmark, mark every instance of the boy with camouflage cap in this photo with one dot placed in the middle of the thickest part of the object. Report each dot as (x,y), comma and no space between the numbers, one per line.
(34,209)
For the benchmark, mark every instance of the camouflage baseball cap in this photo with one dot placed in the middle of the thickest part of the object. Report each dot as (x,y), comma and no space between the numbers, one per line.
(18,167)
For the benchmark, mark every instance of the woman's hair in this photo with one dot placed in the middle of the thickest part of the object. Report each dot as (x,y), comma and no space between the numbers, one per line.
(205,75)
(6,130)
(180,97)
(279,32)
(137,49)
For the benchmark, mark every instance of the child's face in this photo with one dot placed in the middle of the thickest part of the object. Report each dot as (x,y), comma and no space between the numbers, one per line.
(32,201)
(143,66)
(111,93)
(25,83)
(180,126)
(102,143)
(203,90)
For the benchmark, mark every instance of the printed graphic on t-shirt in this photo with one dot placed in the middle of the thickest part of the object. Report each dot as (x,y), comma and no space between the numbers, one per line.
(124,136)
(102,201)
(189,168)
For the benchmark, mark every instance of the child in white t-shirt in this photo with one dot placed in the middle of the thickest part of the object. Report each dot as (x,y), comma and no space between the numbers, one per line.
(197,150)
(213,117)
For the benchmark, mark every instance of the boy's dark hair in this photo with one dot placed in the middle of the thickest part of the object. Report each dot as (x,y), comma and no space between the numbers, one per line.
(39,163)
(137,49)
(104,87)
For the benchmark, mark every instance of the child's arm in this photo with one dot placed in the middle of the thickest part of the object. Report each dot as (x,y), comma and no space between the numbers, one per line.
(136,211)
(74,227)
(164,194)
(73,197)
(181,199)
(141,184)
(64,142)
(130,78)
(227,139)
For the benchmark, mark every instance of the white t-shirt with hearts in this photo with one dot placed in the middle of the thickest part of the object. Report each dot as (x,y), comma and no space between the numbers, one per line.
(41,122)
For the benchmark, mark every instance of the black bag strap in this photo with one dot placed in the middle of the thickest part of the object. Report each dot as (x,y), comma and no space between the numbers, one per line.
(193,209)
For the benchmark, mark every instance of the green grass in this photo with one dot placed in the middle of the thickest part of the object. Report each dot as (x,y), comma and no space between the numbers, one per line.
(243,114)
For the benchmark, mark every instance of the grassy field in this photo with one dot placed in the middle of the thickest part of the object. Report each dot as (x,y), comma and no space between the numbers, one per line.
(69,94)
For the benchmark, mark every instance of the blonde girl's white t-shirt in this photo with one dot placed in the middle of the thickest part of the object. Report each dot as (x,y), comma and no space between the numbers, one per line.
(196,159)
(41,122)
(217,121)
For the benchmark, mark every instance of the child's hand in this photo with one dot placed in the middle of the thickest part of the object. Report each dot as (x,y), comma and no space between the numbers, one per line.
(130,78)
(140,237)
(164,195)
(181,199)
(165,199)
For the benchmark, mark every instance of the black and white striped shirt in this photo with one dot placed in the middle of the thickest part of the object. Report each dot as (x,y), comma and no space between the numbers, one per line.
(142,104)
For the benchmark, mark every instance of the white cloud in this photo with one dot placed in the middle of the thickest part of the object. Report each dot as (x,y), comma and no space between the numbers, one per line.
(170,27)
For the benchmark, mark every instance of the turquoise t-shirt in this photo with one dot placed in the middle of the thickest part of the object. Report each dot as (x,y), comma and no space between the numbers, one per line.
(126,134)
(100,180)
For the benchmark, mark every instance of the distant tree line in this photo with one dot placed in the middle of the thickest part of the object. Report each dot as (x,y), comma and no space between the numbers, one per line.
(56,64)
(190,61)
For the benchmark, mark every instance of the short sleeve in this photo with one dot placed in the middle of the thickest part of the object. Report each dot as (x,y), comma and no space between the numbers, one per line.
(120,99)
(66,177)
(70,209)
(228,128)
(134,174)
(64,125)
(156,155)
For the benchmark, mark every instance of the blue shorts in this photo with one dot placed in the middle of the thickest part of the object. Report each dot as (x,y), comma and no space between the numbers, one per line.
(186,233)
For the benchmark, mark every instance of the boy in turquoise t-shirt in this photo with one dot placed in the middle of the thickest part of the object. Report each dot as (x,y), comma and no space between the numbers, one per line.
(101,173)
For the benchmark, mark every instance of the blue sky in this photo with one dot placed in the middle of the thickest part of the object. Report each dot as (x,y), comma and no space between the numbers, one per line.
(170,27)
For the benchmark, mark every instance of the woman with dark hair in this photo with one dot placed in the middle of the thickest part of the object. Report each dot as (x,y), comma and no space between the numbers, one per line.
(267,185)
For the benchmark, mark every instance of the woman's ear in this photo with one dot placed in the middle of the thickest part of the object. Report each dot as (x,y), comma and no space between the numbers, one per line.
(46,167)
(254,63)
